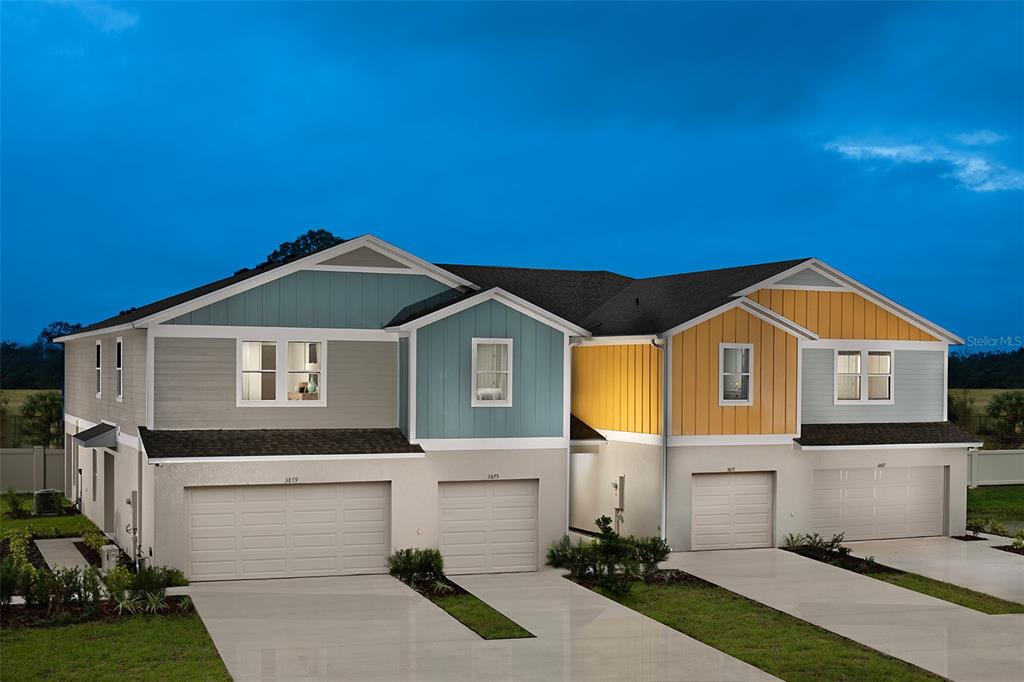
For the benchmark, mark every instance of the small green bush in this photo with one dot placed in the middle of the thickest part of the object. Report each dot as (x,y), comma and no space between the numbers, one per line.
(16,506)
(119,580)
(155,602)
(415,565)
(129,603)
(95,540)
(10,572)
(1018,541)
(976,526)
(558,552)
(998,528)
(153,578)
(651,551)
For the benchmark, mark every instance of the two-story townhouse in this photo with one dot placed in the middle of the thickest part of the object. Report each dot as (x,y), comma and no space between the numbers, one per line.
(306,418)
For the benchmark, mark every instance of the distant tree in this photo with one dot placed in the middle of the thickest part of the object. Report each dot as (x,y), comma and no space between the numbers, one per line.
(987,369)
(42,414)
(55,330)
(1007,409)
(312,241)
(961,409)
(31,366)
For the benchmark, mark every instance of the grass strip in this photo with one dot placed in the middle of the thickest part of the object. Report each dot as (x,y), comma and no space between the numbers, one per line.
(979,601)
(779,644)
(480,617)
(138,648)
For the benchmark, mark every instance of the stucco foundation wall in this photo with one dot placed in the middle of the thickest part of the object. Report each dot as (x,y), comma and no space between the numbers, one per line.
(593,468)
(414,484)
(794,472)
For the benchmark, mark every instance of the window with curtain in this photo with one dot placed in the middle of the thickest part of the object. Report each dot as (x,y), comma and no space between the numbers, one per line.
(304,381)
(879,375)
(492,373)
(259,370)
(737,374)
(848,375)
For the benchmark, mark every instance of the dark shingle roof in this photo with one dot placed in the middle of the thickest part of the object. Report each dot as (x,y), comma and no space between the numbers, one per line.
(580,430)
(903,433)
(277,442)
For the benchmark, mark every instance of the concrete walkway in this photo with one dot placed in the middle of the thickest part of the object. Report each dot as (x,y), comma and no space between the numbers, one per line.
(62,553)
(974,565)
(947,639)
(375,628)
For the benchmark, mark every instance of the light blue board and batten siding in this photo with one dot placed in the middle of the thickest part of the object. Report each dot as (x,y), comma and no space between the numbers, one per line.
(918,390)
(443,379)
(322,299)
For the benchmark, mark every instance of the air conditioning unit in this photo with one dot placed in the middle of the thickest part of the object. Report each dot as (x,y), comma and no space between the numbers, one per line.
(110,556)
(47,503)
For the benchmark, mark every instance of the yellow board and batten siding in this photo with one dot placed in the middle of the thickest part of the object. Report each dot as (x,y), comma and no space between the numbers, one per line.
(839,315)
(618,387)
(695,356)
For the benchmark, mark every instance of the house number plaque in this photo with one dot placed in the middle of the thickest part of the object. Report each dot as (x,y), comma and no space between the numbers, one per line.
(292,479)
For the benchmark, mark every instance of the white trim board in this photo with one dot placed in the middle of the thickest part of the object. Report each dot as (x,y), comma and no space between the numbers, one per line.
(891,446)
(638,340)
(752,307)
(501,296)
(367,240)
(632,437)
(249,459)
(193,331)
(853,285)
(875,344)
(737,439)
(458,444)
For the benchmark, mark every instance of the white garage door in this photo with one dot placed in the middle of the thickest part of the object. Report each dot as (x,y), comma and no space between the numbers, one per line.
(488,526)
(869,504)
(280,531)
(732,511)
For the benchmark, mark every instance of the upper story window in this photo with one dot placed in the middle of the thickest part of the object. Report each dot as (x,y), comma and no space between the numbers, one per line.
(863,376)
(119,369)
(259,370)
(303,370)
(492,373)
(99,369)
(737,382)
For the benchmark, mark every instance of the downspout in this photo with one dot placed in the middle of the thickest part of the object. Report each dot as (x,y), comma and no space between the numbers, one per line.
(664,434)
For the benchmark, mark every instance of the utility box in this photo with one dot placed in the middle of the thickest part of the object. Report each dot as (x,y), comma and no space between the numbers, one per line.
(619,493)
(109,557)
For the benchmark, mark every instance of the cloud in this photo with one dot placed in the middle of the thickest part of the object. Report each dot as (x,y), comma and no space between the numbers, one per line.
(105,17)
(978,137)
(970,169)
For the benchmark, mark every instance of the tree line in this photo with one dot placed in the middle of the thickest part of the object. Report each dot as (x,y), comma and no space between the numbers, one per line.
(988,369)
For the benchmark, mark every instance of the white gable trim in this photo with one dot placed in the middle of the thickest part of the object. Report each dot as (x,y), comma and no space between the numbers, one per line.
(417,265)
(755,309)
(500,295)
(850,284)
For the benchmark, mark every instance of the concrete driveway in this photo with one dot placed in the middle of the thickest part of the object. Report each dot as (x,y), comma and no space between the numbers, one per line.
(974,565)
(375,628)
(947,639)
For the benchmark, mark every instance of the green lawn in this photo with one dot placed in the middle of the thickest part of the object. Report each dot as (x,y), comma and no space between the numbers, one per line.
(775,642)
(138,648)
(1002,502)
(479,617)
(46,526)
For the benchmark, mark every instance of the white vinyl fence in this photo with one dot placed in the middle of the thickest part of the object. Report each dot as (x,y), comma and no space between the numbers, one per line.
(31,469)
(996,467)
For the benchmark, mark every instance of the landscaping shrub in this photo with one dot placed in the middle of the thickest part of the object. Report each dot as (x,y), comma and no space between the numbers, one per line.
(415,565)
(976,526)
(10,572)
(16,506)
(155,602)
(651,551)
(998,528)
(1018,541)
(95,540)
(153,578)
(558,552)
(612,561)
(119,580)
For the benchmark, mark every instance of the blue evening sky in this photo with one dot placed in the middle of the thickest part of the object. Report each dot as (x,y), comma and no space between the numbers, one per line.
(148,148)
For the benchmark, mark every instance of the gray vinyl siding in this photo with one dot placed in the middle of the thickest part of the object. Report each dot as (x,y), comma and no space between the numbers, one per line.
(80,380)
(195,388)
(403,385)
(809,278)
(443,386)
(308,298)
(918,390)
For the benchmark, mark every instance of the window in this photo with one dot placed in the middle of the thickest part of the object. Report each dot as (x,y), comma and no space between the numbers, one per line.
(99,369)
(737,363)
(259,370)
(864,376)
(848,375)
(492,373)
(118,370)
(303,370)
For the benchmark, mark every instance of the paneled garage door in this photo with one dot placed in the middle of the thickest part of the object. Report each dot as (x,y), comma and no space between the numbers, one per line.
(732,511)
(488,526)
(281,531)
(868,504)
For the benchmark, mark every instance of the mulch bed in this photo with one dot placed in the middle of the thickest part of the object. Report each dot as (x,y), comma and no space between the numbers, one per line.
(846,561)
(969,538)
(428,589)
(26,617)
(35,557)
(90,554)
(1011,549)
(664,576)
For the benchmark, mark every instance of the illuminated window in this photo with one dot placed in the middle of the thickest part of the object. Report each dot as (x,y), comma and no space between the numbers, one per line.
(492,373)
(737,365)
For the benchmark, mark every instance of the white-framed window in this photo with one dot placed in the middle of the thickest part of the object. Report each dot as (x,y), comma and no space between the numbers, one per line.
(736,386)
(304,379)
(282,372)
(99,369)
(259,371)
(119,368)
(492,373)
(863,376)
